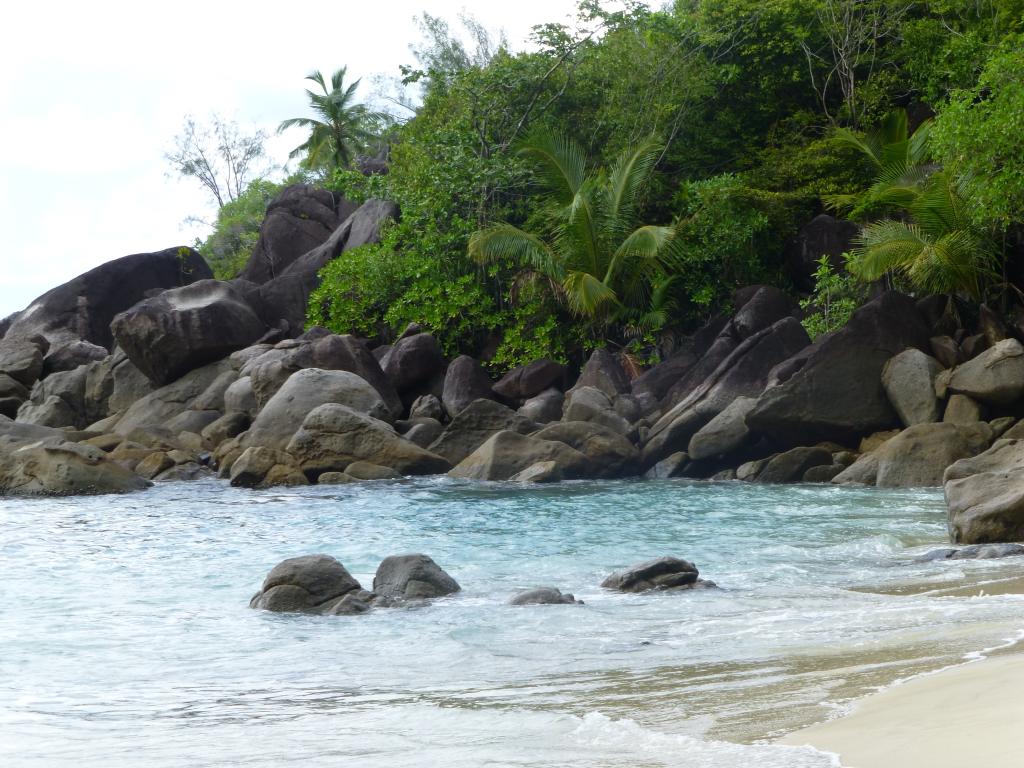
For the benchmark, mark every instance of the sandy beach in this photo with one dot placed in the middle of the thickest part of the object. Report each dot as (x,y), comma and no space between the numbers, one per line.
(968,715)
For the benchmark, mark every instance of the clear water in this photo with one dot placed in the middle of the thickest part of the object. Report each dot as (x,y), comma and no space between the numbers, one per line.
(126,640)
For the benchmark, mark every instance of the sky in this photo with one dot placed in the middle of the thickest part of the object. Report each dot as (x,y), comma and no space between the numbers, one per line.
(93,94)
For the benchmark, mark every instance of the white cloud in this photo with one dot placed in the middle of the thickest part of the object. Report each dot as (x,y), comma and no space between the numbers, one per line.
(92,95)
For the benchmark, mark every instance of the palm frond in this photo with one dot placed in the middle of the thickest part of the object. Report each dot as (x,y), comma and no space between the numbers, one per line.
(629,175)
(560,163)
(503,241)
(586,295)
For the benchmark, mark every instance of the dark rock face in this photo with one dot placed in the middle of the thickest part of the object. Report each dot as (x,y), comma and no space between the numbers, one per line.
(790,467)
(298,220)
(21,360)
(661,574)
(531,379)
(83,308)
(307,584)
(413,361)
(824,235)
(69,355)
(602,371)
(284,297)
(182,329)
(837,393)
(464,381)
(658,380)
(544,596)
(412,577)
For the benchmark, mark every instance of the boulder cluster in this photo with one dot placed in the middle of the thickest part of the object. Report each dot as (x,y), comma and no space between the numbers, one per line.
(147,369)
(319,584)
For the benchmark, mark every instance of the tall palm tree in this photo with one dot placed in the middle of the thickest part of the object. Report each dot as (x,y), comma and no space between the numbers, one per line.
(607,266)
(900,162)
(938,248)
(342,128)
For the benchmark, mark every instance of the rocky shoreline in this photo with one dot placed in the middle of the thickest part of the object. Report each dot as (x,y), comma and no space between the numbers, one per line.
(146,369)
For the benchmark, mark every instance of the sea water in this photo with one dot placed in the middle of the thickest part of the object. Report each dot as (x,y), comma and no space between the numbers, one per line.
(126,638)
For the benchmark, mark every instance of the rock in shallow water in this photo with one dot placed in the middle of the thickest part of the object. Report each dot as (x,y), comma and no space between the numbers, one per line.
(544,596)
(306,584)
(973,552)
(412,577)
(662,573)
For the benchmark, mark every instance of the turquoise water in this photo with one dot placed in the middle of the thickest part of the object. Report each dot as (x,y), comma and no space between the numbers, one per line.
(126,637)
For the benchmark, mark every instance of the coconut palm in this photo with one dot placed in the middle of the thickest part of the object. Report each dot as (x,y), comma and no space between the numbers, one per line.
(900,162)
(342,127)
(605,264)
(938,248)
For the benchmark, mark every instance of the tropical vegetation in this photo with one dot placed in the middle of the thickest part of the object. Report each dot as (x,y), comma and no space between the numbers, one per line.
(618,180)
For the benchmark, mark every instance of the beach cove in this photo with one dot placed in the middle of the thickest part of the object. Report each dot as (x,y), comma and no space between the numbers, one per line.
(138,642)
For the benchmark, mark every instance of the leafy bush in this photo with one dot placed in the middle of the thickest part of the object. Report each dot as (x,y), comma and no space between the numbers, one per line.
(835,298)
(237,229)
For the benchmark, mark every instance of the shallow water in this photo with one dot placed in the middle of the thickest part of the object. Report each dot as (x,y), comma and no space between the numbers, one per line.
(126,638)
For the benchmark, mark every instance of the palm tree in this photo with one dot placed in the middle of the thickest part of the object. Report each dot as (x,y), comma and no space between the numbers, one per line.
(900,163)
(605,264)
(938,249)
(343,128)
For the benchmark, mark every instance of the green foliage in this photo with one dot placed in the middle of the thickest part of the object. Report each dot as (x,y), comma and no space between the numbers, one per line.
(981,131)
(591,243)
(730,235)
(236,230)
(341,129)
(898,160)
(938,248)
(835,298)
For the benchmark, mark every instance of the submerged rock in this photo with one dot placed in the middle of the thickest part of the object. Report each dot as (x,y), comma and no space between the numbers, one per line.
(544,596)
(973,552)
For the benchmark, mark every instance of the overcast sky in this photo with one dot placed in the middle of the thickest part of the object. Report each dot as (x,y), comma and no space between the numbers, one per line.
(93,94)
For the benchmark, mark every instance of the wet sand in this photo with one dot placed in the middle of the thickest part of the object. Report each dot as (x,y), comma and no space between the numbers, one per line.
(970,715)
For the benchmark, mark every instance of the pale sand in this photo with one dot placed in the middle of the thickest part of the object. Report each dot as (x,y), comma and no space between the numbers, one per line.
(972,715)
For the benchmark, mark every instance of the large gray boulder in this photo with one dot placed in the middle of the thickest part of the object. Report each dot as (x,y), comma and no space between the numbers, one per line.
(84,307)
(743,372)
(184,328)
(725,434)
(507,453)
(22,360)
(464,382)
(334,436)
(610,454)
(316,584)
(531,379)
(413,361)
(590,404)
(909,381)
(471,427)
(836,391)
(113,385)
(996,376)
(161,405)
(987,507)
(304,390)
(792,465)
(412,577)
(282,300)
(919,455)
(298,220)
(602,371)
(545,407)
(68,355)
(663,573)
(270,369)
(52,467)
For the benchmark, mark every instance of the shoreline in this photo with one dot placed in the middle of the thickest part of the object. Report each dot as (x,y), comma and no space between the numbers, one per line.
(967,714)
